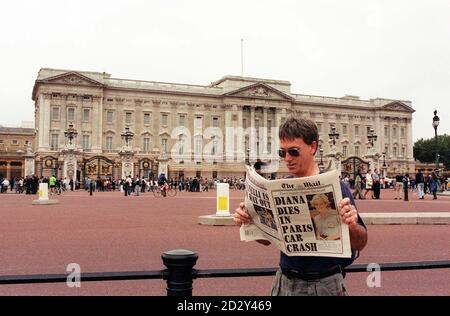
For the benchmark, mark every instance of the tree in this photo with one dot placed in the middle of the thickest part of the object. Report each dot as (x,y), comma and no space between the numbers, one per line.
(425,150)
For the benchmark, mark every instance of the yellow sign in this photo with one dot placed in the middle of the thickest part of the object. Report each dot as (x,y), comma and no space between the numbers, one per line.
(223,203)
(40,193)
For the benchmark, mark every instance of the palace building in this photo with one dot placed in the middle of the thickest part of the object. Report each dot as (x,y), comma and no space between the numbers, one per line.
(16,145)
(109,127)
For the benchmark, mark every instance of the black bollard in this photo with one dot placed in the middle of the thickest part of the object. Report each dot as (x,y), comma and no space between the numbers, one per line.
(179,273)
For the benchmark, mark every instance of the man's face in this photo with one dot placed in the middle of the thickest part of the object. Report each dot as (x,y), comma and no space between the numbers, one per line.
(299,166)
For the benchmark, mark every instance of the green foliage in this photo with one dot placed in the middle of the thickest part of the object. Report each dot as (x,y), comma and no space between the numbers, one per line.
(425,150)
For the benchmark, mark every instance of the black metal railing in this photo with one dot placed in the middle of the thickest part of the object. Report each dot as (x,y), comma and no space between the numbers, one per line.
(180,272)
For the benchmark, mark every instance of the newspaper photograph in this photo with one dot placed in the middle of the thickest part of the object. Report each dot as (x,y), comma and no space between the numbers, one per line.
(298,215)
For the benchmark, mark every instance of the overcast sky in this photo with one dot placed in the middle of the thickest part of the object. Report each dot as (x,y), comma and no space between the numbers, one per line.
(397,49)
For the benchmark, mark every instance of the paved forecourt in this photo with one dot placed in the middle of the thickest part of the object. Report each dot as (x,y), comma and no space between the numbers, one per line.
(110,232)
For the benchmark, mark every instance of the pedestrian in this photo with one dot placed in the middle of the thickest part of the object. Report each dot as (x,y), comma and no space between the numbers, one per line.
(434,184)
(376,184)
(357,194)
(299,140)
(90,186)
(369,184)
(420,183)
(137,185)
(398,186)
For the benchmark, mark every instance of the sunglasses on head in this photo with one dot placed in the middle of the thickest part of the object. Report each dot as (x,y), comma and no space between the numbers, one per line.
(293,152)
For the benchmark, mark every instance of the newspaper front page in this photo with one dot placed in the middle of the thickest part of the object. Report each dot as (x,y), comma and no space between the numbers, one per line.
(299,215)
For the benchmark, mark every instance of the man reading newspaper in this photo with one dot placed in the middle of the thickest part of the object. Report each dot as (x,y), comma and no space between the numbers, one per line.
(311,275)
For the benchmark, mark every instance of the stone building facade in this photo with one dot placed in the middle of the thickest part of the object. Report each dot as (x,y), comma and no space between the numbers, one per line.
(16,147)
(193,130)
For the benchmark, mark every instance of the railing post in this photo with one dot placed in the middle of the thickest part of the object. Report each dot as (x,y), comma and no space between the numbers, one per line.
(179,273)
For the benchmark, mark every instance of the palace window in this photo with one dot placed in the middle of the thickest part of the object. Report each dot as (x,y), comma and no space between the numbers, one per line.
(71,114)
(86,142)
(164,145)
(164,119)
(402,132)
(146,118)
(54,142)
(182,120)
(181,145)
(128,116)
(109,116)
(198,122)
(55,113)
(356,150)
(214,147)
(344,151)
(394,132)
(356,130)
(86,115)
(198,145)
(215,122)
(146,146)
(344,129)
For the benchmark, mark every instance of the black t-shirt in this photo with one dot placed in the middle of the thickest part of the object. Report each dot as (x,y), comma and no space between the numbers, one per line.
(320,264)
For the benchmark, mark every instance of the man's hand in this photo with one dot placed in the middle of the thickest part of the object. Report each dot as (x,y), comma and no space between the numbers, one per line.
(349,214)
(241,216)
(358,234)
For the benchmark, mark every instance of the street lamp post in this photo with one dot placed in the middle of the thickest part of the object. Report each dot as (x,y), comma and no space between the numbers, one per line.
(435,126)
(70,134)
(321,159)
(371,136)
(127,136)
(384,165)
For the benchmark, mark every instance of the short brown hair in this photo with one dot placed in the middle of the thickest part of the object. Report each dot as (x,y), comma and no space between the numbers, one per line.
(298,127)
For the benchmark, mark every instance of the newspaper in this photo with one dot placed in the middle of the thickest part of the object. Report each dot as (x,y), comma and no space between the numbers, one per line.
(299,215)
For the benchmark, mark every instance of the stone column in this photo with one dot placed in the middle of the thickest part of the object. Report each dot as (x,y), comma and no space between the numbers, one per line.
(379,131)
(29,163)
(240,144)
(252,136)
(409,139)
(229,135)
(96,121)
(44,122)
(263,135)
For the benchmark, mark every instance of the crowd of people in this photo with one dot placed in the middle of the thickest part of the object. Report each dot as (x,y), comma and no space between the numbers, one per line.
(364,185)
(371,183)
(30,184)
